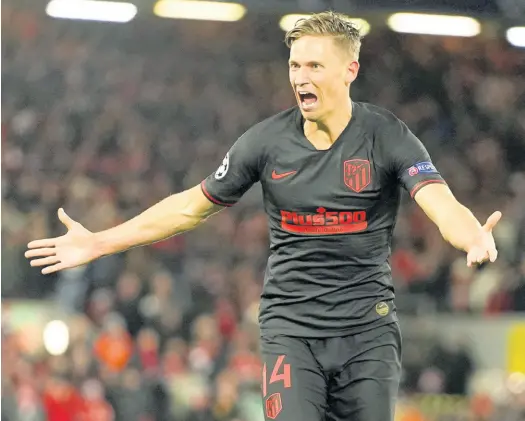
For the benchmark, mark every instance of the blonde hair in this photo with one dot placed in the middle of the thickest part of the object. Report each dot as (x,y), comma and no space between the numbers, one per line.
(345,33)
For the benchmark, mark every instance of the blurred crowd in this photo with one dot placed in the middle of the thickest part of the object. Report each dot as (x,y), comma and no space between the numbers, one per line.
(105,120)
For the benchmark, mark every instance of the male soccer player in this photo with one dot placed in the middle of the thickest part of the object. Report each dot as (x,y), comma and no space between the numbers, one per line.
(331,171)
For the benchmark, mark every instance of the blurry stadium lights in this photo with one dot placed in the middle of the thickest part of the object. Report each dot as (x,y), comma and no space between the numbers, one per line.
(199,10)
(287,22)
(56,337)
(516,36)
(418,23)
(516,383)
(101,11)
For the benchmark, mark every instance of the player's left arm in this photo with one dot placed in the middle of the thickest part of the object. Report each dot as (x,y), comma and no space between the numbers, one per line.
(414,169)
(457,224)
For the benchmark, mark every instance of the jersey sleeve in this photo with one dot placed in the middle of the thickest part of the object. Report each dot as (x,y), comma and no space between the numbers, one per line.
(238,171)
(409,160)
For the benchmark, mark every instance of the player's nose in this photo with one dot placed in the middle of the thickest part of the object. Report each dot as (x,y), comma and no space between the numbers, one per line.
(302,77)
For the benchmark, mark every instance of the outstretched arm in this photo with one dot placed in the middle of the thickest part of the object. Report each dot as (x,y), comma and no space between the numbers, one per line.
(412,167)
(174,215)
(457,224)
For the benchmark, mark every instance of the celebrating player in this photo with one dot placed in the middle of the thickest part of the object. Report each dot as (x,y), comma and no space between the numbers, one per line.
(331,170)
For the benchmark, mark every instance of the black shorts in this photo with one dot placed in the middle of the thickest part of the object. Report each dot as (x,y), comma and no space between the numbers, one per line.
(350,378)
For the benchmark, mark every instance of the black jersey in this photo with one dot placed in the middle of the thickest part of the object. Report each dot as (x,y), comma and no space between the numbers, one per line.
(331,215)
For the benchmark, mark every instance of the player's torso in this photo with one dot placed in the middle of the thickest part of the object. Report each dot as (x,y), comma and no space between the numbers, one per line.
(342,190)
(331,215)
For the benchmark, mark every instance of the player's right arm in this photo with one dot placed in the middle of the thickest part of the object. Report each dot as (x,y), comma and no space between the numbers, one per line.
(173,215)
(413,168)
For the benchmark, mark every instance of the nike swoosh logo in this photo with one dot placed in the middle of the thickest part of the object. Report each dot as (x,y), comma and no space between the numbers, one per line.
(276,176)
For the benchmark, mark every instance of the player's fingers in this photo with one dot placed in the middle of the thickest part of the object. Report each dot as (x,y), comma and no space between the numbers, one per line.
(476,258)
(47,242)
(41,252)
(493,255)
(492,220)
(45,261)
(481,258)
(470,261)
(52,269)
(65,219)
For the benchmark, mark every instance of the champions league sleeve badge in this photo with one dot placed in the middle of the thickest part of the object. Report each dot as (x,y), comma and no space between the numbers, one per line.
(223,169)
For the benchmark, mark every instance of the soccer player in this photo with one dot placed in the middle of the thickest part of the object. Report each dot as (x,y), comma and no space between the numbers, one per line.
(331,170)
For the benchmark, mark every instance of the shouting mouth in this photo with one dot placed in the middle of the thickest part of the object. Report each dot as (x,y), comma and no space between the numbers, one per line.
(307,100)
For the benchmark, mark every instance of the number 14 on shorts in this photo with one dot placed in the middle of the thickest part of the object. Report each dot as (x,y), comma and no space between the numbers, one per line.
(280,373)
(284,376)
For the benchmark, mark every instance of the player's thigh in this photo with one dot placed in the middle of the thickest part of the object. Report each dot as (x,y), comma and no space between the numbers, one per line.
(366,389)
(293,386)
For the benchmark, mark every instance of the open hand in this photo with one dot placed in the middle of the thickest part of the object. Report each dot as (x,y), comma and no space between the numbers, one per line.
(484,248)
(75,248)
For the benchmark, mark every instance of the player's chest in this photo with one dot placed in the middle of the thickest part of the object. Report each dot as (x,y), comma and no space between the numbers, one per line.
(347,175)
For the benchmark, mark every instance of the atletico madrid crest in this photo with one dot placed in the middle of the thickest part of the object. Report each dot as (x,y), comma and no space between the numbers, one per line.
(273,406)
(357,174)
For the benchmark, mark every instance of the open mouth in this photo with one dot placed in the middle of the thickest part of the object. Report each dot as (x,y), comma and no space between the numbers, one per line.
(307,99)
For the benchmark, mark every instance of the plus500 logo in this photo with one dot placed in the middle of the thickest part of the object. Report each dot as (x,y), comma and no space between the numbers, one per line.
(324,222)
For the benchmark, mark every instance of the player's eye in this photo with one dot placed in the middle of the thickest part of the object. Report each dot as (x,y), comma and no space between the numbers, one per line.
(316,66)
(293,66)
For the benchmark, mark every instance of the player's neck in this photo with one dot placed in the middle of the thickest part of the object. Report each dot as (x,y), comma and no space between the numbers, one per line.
(323,133)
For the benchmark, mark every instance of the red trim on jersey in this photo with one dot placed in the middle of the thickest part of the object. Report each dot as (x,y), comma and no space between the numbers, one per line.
(421,184)
(211,198)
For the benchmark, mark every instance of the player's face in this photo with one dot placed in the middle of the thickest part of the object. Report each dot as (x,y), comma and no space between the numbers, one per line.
(320,73)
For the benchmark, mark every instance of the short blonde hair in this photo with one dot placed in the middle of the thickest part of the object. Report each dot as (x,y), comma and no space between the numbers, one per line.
(345,33)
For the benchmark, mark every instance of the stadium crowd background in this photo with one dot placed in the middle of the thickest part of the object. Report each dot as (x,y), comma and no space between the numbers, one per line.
(106,120)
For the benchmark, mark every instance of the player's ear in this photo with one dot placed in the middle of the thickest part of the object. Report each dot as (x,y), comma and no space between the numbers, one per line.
(351,71)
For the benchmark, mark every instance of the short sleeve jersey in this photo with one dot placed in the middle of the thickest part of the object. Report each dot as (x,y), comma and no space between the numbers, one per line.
(331,215)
